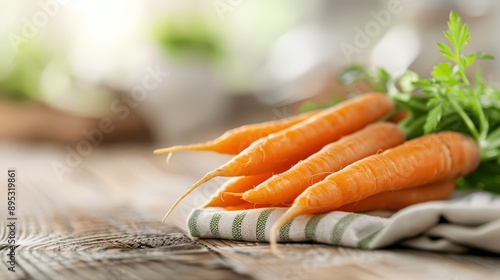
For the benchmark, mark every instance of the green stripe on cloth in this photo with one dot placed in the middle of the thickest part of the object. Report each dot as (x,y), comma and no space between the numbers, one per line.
(214,224)
(284,235)
(261,225)
(193,229)
(363,243)
(236,228)
(341,226)
(311,226)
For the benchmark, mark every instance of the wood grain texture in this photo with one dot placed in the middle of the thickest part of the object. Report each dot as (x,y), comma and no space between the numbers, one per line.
(101,221)
(98,222)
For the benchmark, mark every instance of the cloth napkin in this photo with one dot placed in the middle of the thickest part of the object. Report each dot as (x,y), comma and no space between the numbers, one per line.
(468,220)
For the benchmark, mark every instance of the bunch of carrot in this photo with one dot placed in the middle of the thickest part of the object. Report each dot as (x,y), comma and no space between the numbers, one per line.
(342,158)
(335,161)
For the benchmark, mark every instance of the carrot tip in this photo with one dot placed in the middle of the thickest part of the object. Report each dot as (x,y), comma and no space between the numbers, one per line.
(203,180)
(209,146)
(162,151)
(173,149)
(292,212)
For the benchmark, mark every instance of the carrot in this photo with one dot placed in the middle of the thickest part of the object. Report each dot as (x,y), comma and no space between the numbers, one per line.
(396,200)
(285,187)
(238,184)
(247,205)
(391,200)
(301,140)
(236,140)
(430,158)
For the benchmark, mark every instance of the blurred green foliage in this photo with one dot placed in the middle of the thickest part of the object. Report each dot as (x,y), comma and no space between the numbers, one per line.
(20,78)
(188,37)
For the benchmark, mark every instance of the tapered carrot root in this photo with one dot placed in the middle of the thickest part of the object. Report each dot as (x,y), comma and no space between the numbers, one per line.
(239,185)
(297,142)
(430,158)
(396,200)
(236,140)
(248,206)
(288,185)
(206,178)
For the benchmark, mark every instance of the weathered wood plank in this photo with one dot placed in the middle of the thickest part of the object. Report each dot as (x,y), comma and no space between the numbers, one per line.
(93,247)
(102,222)
(93,226)
(315,261)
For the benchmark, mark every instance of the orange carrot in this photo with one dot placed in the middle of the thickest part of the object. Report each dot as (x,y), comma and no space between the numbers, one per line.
(285,187)
(247,206)
(238,184)
(301,140)
(236,140)
(391,200)
(430,158)
(396,200)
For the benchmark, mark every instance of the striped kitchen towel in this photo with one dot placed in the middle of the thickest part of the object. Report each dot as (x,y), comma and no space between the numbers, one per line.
(468,220)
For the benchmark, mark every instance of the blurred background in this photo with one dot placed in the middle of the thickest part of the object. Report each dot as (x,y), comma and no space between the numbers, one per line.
(165,72)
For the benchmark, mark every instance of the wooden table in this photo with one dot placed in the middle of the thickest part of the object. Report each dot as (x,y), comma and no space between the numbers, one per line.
(101,221)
